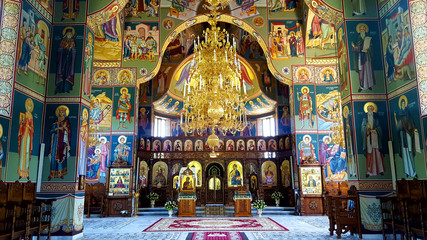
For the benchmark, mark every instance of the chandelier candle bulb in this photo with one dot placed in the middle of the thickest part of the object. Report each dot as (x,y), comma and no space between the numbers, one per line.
(214,55)
(226,58)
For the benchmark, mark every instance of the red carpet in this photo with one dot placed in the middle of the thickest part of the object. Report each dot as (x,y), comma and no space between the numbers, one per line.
(217,236)
(215,225)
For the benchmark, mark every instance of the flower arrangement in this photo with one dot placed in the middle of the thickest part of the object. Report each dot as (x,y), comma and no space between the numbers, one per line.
(171,205)
(259,204)
(153,196)
(276,195)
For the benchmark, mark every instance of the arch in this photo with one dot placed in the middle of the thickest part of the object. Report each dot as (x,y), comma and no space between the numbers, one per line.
(214,166)
(235,174)
(160,174)
(269,173)
(222,18)
(199,173)
(187,61)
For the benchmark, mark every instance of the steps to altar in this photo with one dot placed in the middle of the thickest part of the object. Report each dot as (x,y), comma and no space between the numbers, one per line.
(228,211)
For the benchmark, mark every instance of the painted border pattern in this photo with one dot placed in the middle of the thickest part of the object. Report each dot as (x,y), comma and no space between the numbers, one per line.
(8,41)
(41,10)
(418,10)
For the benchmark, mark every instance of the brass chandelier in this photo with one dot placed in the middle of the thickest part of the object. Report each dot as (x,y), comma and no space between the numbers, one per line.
(213,97)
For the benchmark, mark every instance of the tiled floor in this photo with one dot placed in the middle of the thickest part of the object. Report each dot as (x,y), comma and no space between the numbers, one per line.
(300,228)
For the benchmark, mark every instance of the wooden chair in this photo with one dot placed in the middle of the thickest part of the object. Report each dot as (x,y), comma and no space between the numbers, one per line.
(97,199)
(417,211)
(400,215)
(387,209)
(6,215)
(44,211)
(88,194)
(29,200)
(19,214)
(330,208)
(347,213)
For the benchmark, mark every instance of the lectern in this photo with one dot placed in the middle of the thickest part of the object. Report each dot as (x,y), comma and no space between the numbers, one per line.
(242,203)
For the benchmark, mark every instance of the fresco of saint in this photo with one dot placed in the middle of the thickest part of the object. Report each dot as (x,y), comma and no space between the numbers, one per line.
(88,55)
(25,139)
(408,137)
(363,58)
(124,108)
(234,176)
(84,135)
(305,107)
(122,151)
(306,149)
(372,141)
(70,9)
(66,60)
(60,143)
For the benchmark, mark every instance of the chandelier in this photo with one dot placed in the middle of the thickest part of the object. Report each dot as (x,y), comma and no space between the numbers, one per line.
(213,97)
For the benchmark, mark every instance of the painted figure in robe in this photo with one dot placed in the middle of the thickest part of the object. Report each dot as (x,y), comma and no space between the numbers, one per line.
(66,60)
(235,176)
(25,139)
(84,135)
(408,137)
(70,9)
(60,143)
(372,141)
(124,108)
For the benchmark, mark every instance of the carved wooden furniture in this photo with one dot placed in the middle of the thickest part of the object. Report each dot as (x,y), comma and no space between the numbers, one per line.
(330,210)
(119,192)
(186,205)
(19,220)
(417,210)
(95,198)
(88,192)
(6,216)
(21,214)
(242,203)
(347,214)
(311,189)
(387,205)
(223,194)
(187,196)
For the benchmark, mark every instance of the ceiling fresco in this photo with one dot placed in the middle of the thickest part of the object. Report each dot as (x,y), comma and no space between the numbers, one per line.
(276,27)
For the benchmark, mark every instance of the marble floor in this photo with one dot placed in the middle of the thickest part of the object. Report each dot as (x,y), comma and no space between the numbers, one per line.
(300,228)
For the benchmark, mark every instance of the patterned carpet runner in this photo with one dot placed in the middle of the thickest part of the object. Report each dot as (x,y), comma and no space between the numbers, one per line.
(206,224)
(218,236)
